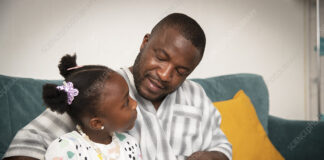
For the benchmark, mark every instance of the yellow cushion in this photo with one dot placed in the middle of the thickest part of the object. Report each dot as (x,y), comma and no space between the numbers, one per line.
(244,130)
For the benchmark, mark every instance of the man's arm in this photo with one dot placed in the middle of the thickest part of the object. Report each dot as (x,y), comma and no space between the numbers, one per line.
(20,158)
(32,141)
(205,155)
(215,144)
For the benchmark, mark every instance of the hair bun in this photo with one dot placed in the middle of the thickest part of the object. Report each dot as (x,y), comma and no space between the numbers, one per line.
(55,99)
(67,62)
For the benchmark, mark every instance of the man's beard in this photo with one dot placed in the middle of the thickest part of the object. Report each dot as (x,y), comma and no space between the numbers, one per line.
(136,73)
(138,78)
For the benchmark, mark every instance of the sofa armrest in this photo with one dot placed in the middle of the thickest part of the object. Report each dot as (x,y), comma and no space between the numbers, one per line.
(297,139)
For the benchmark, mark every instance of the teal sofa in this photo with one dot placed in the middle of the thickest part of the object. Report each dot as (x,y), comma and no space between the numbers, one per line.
(20,102)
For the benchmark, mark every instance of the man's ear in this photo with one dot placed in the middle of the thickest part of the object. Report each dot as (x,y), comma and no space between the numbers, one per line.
(145,40)
(96,123)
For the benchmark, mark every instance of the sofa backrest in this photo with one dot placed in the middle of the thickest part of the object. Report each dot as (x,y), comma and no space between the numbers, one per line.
(21,99)
(20,102)
(224,87)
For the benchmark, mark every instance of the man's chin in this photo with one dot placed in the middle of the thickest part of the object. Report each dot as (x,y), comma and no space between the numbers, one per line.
(147,94)
(150,96)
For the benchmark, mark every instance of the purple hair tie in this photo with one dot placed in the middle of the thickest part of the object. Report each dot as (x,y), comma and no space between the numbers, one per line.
(68,88)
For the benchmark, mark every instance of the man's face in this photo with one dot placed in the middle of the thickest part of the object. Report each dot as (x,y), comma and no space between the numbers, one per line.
(164,62)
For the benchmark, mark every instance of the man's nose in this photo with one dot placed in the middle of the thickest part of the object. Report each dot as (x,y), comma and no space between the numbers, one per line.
(165,73)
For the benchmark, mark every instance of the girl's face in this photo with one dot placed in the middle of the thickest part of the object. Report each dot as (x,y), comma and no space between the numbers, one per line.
(117,110)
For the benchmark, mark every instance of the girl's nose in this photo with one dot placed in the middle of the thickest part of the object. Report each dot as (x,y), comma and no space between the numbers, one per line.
(133,103)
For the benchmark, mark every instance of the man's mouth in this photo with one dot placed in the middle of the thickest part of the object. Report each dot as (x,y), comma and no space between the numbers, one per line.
(154,85)
(157,83)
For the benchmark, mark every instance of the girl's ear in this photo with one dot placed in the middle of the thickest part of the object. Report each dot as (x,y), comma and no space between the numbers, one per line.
(96,123)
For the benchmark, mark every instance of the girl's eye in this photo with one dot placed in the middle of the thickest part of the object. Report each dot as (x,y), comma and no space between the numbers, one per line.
(127,102)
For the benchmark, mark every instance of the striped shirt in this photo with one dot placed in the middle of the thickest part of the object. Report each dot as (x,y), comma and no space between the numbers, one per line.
(35,137)
(185,122)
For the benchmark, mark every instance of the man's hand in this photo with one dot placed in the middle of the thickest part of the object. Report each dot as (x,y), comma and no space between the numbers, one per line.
(202,155)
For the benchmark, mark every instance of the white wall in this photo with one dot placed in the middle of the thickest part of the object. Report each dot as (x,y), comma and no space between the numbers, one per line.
(252,36)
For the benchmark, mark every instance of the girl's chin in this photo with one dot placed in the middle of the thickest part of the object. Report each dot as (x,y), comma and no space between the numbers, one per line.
(131,126)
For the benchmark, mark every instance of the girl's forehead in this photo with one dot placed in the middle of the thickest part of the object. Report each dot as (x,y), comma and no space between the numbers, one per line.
(114,89)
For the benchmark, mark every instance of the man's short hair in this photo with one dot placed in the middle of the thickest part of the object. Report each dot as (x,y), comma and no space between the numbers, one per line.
(187,27)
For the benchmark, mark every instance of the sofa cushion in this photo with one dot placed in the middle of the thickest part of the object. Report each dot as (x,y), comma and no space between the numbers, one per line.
(20,99)
(21,102)
(244,130)
(224,87)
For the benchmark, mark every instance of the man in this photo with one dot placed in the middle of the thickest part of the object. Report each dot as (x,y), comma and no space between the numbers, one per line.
(176,120)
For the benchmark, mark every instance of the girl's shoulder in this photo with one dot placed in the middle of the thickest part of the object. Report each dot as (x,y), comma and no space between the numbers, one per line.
(70,138)
(66,146)
(125,138)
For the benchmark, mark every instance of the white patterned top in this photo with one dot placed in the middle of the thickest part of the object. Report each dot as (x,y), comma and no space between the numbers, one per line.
(73,146)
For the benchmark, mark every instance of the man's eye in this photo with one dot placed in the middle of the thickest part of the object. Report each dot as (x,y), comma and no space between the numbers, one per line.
(181,72)
(159,55)
(160,58)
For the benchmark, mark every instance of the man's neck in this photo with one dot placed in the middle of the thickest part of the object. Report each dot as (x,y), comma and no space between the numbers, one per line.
(156,104)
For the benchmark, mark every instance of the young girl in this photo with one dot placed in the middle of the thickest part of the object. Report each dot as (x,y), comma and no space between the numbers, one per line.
(97,100)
